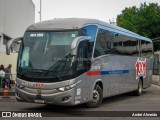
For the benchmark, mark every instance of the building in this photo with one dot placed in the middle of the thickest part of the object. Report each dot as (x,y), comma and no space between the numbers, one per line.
(156,67)
(15,17)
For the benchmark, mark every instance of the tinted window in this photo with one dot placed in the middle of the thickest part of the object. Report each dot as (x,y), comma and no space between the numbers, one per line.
(103,43)
(91,31)
(146,49)
(125,45)
(82,53)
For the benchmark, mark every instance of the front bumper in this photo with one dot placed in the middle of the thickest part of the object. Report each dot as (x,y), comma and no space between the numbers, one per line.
(65,98)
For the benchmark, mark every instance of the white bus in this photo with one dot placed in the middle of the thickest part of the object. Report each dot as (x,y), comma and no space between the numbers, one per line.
(74,61)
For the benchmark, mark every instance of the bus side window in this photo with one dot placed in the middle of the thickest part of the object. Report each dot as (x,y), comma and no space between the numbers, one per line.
(125,45)
(118,43)
(146,49)
(103,43)
(149,49)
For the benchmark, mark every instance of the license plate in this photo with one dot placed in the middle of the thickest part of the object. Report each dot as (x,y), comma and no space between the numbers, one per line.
(39,101)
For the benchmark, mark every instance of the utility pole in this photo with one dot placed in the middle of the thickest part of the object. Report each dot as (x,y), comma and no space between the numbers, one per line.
(40,12)
(112,22)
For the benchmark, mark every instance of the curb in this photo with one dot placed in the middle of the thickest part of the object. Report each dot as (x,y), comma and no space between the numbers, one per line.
(156,80)
(156,83)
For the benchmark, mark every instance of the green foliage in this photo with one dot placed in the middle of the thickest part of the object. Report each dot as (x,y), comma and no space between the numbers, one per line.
(144,20)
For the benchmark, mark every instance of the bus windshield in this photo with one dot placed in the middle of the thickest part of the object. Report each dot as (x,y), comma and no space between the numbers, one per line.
(47,52)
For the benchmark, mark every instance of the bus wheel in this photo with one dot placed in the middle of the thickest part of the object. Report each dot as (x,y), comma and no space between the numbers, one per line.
(138,92)
(97,97)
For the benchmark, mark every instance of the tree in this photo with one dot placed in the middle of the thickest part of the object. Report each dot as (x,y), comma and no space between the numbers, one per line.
(144,20)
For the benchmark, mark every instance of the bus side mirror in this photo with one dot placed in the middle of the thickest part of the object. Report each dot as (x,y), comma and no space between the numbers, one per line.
(10,42)
(75,43)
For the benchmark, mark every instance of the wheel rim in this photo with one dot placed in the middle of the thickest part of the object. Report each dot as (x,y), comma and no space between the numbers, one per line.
(96,96)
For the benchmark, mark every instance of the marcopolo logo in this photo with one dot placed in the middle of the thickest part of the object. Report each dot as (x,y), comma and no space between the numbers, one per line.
(140,68)
(39,85)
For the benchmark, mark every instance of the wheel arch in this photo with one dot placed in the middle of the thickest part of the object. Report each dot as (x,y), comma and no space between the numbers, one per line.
(98,82)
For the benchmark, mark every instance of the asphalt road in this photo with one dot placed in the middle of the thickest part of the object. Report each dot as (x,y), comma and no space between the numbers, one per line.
(118,106)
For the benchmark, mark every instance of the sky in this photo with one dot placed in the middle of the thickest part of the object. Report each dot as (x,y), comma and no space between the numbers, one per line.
(104,10)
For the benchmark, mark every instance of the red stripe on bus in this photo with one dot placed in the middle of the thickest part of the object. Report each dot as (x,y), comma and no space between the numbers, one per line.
(93,73)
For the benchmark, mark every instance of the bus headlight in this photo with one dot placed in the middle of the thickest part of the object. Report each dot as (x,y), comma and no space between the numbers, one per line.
(19,86)
(62,89)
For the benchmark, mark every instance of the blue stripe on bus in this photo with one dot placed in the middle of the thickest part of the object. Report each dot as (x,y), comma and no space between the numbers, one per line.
(114,72)
(91,73)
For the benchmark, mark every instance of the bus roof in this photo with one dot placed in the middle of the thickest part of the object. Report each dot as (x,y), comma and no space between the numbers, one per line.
(76,23)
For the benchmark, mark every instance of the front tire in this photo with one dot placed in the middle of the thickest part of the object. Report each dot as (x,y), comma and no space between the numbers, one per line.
(138,92)
(97,97)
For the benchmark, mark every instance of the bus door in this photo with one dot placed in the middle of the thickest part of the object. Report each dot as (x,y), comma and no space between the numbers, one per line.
(83,65)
